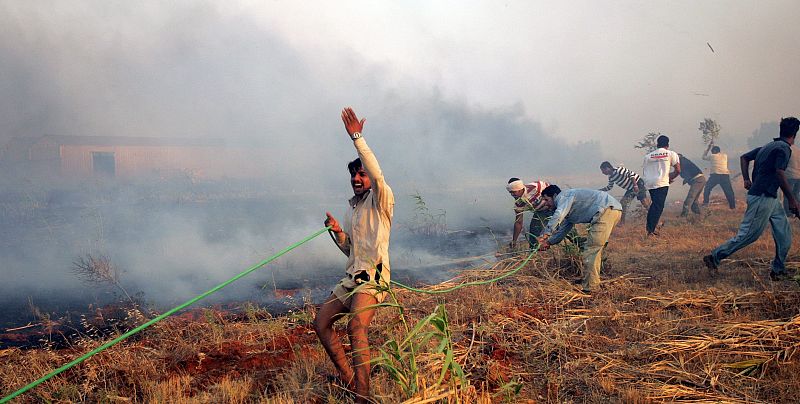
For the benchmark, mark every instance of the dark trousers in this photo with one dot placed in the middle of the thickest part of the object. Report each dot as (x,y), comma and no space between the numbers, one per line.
(658,197)
(724,181)
(695,188)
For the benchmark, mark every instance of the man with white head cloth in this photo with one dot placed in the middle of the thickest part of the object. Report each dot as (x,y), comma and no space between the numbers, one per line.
(528,197)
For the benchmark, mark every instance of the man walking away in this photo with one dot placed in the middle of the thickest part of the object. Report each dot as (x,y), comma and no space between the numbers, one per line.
(720,175)
(763,206)
(627,180)
(793,177)
(596,208)
(693,176)
(657,177)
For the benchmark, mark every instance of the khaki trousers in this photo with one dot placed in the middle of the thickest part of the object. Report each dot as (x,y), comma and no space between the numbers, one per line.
(599,232)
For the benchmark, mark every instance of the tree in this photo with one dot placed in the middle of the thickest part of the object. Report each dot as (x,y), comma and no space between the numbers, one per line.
(764,134)
(648,142)
(710,129)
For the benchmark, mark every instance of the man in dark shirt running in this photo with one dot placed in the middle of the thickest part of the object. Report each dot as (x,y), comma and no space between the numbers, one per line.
(762,203)
(693,176)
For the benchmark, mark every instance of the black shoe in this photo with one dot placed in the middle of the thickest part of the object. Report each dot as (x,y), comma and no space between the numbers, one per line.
(712,266)
(778,276)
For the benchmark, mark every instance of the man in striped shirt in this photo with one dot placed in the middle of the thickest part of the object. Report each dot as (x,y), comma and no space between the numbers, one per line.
(627,180)
(528,198)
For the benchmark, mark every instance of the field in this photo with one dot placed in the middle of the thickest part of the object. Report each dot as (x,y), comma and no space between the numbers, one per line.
(661,329)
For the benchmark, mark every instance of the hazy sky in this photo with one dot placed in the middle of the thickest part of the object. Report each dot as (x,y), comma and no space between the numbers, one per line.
(458,95)
(605,70)
(580,70)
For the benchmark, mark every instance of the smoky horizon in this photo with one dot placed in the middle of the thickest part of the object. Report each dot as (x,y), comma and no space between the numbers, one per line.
(184,142)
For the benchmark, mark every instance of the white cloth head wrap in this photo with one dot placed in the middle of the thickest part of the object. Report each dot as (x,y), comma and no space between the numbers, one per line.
(515,186)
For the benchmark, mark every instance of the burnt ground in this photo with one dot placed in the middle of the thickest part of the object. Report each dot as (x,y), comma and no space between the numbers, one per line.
(43,233)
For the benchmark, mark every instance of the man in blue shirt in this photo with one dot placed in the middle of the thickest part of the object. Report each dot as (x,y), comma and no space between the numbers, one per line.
(762,202)
(597,208)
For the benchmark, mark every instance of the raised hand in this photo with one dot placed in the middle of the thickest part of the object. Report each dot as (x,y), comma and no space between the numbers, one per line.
(351,122)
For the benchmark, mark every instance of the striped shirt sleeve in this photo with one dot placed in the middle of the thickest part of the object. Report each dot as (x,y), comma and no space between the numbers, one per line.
(623,177)
(609,186)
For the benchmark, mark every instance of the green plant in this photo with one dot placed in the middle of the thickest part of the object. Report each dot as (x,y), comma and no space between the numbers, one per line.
(424,222)
(428,341)
(510,390)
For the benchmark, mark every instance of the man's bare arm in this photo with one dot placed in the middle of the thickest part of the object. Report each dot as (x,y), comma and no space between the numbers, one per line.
(744,161)
(787,192)
(517,228)
(705,153)
(675,173)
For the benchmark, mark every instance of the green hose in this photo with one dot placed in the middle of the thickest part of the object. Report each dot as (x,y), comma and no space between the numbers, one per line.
(160,317)
(474,283)
(228,282)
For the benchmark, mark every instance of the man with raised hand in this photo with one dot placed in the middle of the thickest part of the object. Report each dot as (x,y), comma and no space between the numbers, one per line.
(657,177)
(763,205)
(720,175)
(573,206)
(364,239)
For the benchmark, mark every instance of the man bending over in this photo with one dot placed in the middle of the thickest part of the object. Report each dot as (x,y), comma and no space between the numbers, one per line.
(596,208)
(627,180)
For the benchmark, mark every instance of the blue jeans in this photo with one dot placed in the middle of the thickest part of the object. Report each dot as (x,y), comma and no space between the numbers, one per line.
(760,210)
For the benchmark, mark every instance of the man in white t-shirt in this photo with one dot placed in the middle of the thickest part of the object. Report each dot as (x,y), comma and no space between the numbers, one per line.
(657,177)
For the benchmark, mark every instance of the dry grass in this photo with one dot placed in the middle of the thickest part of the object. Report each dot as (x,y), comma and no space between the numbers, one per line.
(660,330)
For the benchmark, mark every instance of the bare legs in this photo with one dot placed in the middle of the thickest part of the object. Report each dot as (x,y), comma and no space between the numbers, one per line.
(360,315)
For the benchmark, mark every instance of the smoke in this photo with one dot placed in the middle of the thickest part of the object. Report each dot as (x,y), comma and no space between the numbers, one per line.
(188,69)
